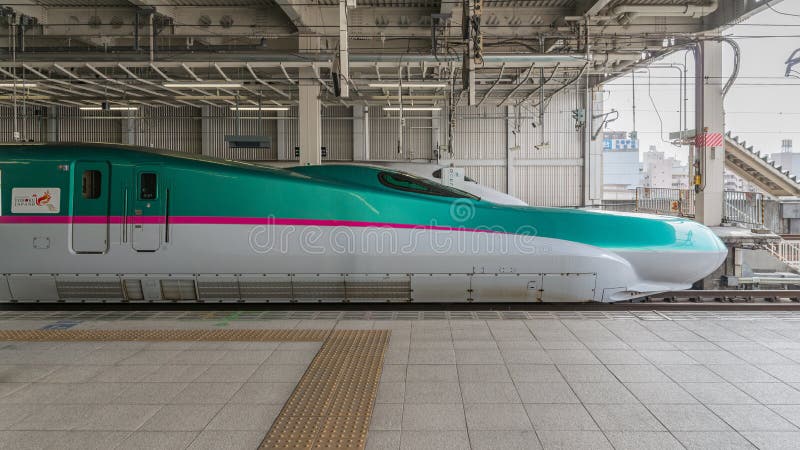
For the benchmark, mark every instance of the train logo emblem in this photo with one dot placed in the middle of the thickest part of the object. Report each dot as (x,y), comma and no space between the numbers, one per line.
(35,200)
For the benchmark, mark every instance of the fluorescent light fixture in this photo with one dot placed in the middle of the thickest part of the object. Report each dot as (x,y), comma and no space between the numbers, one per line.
(201,85)
(408,85)
(259,108)
(20,84)
(113,108)
(412,108)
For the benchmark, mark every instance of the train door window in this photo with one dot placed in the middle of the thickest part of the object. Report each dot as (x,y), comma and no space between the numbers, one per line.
(147,186)
(91,184)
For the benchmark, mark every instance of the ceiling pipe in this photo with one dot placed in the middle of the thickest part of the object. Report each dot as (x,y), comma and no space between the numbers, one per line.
(627,12)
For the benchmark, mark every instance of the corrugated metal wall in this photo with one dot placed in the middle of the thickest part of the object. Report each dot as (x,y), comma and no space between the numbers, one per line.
(547,167)
(480,133)
(30,123)
(176,129)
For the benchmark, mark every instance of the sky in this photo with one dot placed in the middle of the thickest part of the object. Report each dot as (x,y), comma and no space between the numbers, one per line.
(763,107)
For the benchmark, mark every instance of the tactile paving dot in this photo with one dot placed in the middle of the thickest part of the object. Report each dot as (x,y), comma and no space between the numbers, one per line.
(331,406)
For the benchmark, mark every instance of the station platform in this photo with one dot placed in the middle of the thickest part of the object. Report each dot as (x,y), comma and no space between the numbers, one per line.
(400,380)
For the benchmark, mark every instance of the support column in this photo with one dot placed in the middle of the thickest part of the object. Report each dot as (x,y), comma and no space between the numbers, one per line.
(360,133)
(436,134)
(281,140)
(129,128)
(512,131)
(593,156)
(710,126)
(52,124)
(205,130)
(310,119)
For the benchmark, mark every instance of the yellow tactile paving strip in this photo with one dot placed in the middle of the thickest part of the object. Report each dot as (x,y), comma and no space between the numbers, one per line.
(165,335)
(331,406)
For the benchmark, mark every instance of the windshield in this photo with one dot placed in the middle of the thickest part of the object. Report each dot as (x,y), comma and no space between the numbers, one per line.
(410,183)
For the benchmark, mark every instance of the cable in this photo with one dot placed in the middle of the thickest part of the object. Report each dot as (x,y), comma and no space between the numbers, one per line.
(780,12)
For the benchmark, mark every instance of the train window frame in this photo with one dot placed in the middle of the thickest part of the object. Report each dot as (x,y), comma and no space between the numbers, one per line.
(152,192)
(91,184)
(427,187)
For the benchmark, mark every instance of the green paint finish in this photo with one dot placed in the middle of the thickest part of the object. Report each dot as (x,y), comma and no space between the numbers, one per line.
(190,185)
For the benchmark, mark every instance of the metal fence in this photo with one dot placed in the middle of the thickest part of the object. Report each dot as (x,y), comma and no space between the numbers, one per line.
(676,202)
(745,208)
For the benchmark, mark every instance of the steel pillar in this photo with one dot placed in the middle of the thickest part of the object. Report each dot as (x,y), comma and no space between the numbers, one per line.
(360,133)
(205,130)
(593,147)
(310,119)
(710,126)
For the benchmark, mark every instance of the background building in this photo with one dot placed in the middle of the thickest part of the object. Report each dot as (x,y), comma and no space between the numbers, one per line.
(622,170)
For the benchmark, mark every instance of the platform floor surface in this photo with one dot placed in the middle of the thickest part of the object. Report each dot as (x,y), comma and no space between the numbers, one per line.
(639,381)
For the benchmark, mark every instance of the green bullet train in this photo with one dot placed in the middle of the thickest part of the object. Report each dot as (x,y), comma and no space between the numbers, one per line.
(110,223)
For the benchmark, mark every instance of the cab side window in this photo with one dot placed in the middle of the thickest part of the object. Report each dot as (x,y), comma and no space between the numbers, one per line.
(91,184)
(148,184)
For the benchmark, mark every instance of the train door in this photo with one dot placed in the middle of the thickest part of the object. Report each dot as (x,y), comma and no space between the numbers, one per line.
(90,207)
(149,217)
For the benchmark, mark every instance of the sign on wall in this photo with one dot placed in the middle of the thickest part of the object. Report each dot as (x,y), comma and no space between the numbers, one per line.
(36,200)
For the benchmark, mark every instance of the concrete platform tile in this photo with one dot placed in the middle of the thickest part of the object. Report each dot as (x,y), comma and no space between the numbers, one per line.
(576,356)
(227,373)
(439,440)
(586,373)
(643,440)
(774,440)
(546,393)
(267,393)
(688,418)
(638,373)
(156,357)
(490,356)
(788,373)
(431,373)
(788,412)
(660,393)
(426,356)
(291,357)
(386,417)
(573,440)
(752,418)
(207,393)
(245,417)
(689,373)
(624,418)
(560,417)
(667,357)
(771,393)
(620,357)
(614,392)
(391,393)
(90,392)
(158,440)
(742,373)
(718,393)
(149,393)
(227,440)
(489,393)
(118,417)
(489,373)
(497,417)
(507,440)
(433,417)
(714,357)
(182,418)
(704,440)
(244,357)
(383,440)
(55,417)
(125,374)
(275,373)
(432,392)
(526,357)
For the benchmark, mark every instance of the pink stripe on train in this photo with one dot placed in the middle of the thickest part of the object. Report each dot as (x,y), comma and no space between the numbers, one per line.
(215,220)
